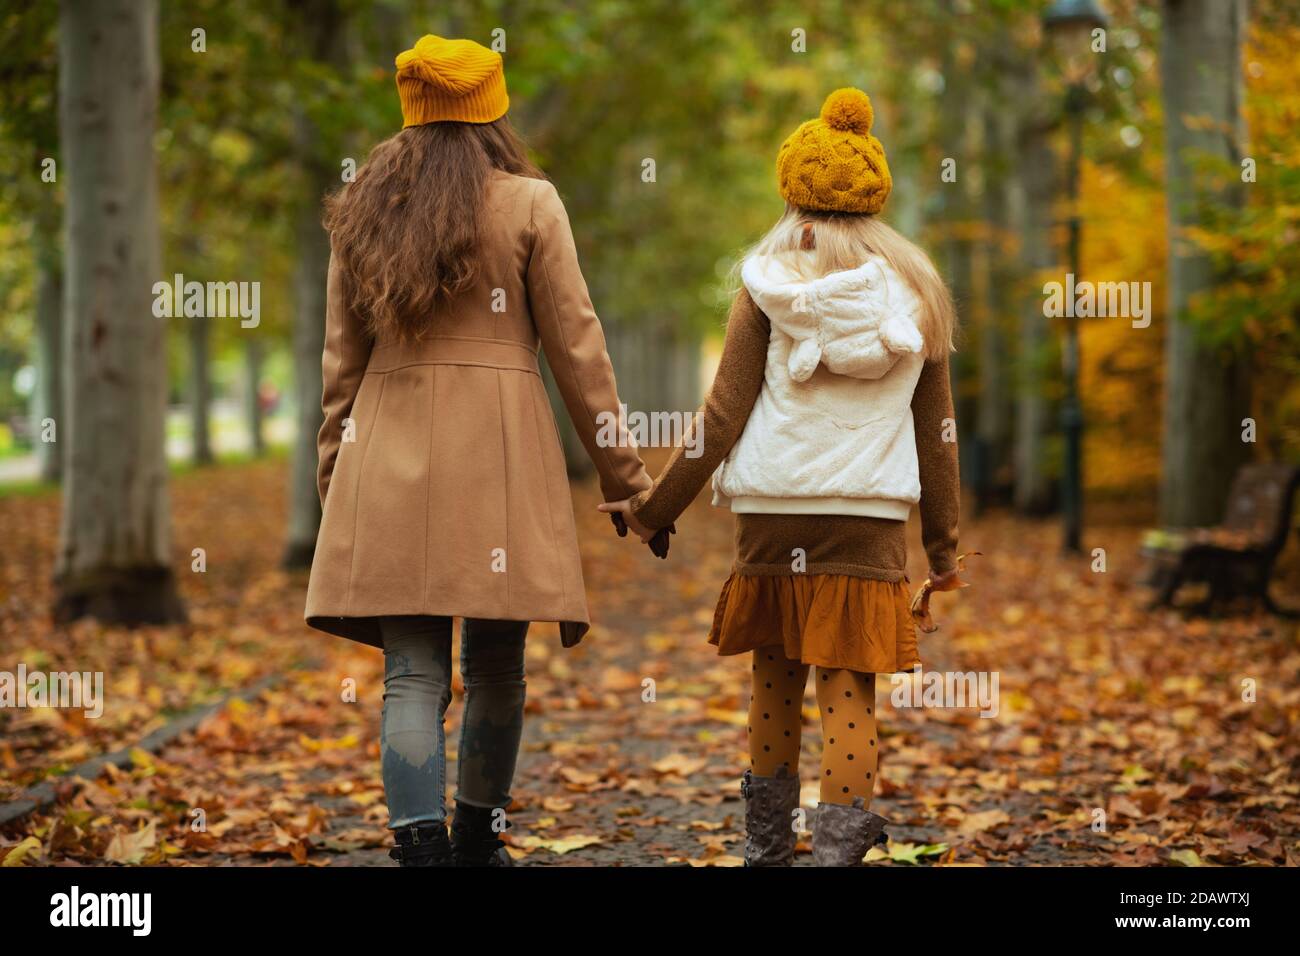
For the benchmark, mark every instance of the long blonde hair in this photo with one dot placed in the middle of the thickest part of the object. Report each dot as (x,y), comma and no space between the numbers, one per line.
(843,241)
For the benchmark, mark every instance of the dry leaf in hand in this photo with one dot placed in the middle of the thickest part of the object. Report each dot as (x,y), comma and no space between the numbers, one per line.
(921,600)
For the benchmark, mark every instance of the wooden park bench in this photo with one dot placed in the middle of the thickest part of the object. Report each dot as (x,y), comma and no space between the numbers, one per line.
(1234,558)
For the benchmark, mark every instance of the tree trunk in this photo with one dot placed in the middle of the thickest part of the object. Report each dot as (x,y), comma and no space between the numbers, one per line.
(253,397)
(1206,387)
(200,331)
(1032,491)
(322,24)
(49,366)
(686,371)
(957,217)
(993,419)
(310,276)
(114,543)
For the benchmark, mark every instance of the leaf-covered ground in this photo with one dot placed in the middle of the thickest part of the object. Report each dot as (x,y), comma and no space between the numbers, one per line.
(1122,736)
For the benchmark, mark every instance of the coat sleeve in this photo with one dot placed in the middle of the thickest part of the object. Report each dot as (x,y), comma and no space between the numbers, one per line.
(575,347)
(934,421)
(719,422)
(343,365)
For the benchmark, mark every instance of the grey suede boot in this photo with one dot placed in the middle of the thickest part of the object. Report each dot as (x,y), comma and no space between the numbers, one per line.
(843,835)
(770,803)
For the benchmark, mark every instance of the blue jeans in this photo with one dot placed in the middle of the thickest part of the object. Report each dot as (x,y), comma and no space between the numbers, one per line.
(417,690)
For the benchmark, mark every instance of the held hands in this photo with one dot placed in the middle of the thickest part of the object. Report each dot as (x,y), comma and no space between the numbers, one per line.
(620,513)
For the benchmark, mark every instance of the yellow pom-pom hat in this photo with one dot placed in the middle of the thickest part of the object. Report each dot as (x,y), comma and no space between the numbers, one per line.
(833,163)
(457,80)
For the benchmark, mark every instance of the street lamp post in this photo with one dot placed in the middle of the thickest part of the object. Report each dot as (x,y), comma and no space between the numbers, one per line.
(1070,24)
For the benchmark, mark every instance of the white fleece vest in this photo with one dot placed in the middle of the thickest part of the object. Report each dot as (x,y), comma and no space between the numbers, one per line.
(831,432)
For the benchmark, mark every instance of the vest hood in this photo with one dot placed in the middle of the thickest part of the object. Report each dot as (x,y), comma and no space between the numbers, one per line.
(858,322)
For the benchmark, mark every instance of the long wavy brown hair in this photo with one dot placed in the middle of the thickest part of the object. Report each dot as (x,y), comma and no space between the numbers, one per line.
(407,230)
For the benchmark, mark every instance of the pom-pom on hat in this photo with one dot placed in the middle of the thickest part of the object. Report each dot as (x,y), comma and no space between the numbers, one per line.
(457,80)
(833,163)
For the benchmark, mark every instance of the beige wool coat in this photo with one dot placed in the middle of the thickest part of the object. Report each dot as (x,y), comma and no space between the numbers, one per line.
(441,475)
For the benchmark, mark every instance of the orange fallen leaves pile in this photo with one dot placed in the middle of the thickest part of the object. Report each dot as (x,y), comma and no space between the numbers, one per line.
(1121,736)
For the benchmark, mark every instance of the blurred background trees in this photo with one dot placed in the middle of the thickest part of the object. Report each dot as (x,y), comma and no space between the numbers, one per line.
(659,123)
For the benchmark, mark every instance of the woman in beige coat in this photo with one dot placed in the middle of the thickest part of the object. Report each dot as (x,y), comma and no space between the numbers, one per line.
(442,479)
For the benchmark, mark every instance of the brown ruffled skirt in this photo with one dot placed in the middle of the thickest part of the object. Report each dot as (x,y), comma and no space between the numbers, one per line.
(826,620)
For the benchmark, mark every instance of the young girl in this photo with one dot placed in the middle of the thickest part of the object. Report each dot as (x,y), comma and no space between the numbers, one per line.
(830,416)
(441,475)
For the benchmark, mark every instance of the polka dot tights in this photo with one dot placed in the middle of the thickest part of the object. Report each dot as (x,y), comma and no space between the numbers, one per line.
(847,700)
(775,707)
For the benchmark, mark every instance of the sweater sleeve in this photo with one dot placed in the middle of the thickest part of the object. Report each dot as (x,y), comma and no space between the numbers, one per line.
(935,421)
(343,365)
(574,344)
(722,418)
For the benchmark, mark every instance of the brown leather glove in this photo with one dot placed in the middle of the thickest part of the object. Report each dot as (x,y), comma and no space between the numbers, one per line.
(658,544)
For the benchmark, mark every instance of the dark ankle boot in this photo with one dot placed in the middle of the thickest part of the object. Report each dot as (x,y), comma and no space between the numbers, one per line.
(473,841)
(842,835)
(770,803)
(424,844)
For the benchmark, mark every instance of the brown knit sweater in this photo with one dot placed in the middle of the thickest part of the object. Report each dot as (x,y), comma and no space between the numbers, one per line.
(833,544)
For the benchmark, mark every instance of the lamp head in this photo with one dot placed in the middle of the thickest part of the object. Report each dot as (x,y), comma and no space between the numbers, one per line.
(1069,25)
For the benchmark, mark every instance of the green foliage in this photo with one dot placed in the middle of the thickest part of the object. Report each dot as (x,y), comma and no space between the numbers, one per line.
(706,91)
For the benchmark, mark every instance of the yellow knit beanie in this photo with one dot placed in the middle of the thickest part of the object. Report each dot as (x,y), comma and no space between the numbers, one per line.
(450,80)
(833,163)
